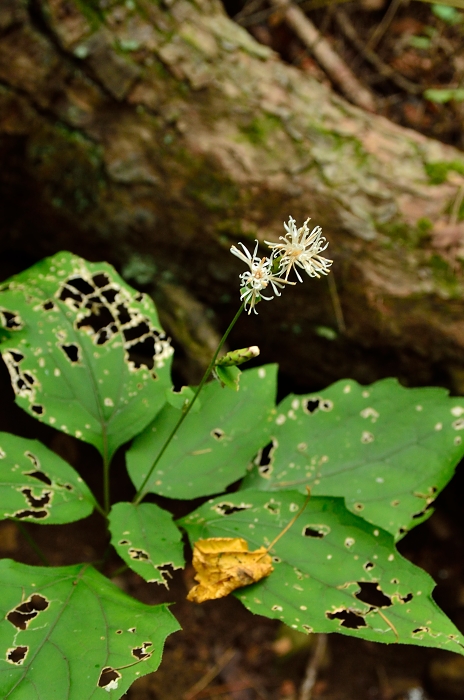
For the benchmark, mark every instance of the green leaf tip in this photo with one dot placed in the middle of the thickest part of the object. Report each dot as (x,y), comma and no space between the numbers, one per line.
(228,376)
(36,485)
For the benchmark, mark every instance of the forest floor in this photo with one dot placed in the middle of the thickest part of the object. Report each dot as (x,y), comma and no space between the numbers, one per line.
(407,56)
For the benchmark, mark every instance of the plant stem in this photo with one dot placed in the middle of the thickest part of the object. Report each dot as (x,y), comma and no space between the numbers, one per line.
(141,493)
(119,571)
(337,307)
(32,543)
(100,509)
(315,662)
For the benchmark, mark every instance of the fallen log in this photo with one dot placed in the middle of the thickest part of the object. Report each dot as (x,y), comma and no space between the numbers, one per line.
(156,135)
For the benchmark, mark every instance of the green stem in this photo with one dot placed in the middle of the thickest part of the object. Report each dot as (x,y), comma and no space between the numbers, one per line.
(96,504)
(337,307)
(99,508)
(141,493)
(32,543)
(119,571)
(106,555)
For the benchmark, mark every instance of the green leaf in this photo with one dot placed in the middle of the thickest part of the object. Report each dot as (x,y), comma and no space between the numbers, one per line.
(420,42)
(446,13)
(228,376)
(181,399)
(326,332)
(61,627)
(388,450)
(85,352)
(213,447)
(333,572)
(445,95)
(38,486)
(145,537)
(450,3)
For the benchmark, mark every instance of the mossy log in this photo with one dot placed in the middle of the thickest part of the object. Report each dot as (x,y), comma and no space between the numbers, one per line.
(156,135)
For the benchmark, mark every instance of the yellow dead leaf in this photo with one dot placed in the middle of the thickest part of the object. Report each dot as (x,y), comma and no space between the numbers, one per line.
(224,564)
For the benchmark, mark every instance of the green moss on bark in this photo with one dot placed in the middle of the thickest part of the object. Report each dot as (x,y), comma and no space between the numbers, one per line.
(444,276)
(260,128)
(437,172)
(412,237)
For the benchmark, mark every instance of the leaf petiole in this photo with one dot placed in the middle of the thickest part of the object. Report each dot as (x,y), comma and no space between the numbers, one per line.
(32,543)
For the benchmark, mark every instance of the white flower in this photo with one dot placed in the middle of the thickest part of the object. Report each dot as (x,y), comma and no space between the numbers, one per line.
(301,247)
(257,278)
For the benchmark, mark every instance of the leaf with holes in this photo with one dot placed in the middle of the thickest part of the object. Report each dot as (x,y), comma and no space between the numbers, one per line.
(145,537)
(38,486)
(85,352)
(212,448)
(70,633)
(333,571)
(388,450)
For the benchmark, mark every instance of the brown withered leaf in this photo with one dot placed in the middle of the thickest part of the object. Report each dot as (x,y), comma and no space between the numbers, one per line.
(224,564)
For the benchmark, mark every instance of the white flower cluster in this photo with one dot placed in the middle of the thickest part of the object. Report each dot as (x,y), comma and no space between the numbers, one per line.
(300,248)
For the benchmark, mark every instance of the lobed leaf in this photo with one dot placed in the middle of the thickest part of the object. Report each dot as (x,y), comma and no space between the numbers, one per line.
(333,571)
(213,447)
(388,450)
(70,633)
(85,351)
(145,537)
(38,486)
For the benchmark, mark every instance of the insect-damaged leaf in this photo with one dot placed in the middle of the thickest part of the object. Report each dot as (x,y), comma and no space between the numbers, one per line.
(38,486)
(224,564)
(213,447)
(147,539)
(69,633)
(181,399)
(333,571)
(388,450)
(85,352)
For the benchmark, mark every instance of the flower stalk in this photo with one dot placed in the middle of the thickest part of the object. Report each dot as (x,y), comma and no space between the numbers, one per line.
(300,248)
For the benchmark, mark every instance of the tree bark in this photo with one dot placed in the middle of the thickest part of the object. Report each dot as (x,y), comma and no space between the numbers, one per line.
(156,135)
